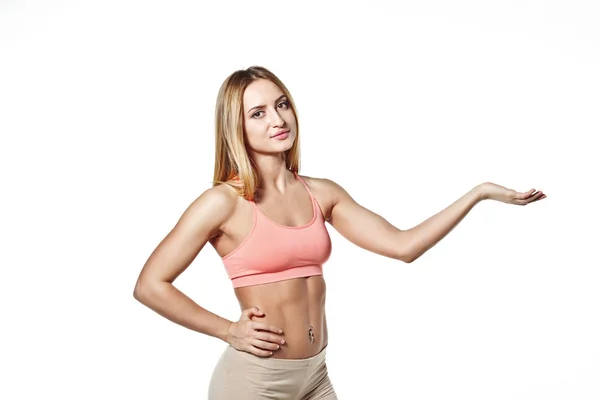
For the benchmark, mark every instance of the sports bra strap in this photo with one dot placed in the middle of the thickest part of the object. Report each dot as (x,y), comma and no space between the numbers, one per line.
(305,185)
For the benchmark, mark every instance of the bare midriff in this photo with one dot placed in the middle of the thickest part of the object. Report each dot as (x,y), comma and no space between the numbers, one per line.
(297,306)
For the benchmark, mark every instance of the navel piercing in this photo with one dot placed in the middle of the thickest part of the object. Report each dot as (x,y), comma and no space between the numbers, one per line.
(311,335)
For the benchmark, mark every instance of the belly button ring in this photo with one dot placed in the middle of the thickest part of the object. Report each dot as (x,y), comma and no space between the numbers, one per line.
(311,335)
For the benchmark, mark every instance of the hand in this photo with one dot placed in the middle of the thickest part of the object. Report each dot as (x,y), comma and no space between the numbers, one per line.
(492,191)
(254,337)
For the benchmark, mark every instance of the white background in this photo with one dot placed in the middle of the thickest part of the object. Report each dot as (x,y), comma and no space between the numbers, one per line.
(106,115)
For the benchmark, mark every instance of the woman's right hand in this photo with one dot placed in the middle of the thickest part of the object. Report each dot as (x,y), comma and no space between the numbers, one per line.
(254,337)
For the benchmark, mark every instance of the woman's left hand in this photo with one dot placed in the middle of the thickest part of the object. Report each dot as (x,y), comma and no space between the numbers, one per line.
(492,191)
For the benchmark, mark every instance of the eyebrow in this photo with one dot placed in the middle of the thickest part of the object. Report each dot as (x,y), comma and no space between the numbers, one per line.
(262,105)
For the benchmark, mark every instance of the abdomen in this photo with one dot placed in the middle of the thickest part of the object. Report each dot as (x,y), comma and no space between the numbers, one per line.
(291,305)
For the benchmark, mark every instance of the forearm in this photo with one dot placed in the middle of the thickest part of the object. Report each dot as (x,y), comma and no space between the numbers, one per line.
(171,303)
(428,233)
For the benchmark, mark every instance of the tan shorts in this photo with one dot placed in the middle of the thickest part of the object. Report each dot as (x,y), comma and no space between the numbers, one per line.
(239,375)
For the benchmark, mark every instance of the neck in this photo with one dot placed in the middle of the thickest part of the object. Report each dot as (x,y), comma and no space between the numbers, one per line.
(274,175)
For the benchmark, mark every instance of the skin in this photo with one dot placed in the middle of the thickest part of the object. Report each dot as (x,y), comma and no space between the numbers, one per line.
(283,310)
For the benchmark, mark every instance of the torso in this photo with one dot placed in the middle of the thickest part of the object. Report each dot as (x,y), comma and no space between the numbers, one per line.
(292,304)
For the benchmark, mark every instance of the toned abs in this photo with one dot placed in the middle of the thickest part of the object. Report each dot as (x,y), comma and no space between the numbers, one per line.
(293,305)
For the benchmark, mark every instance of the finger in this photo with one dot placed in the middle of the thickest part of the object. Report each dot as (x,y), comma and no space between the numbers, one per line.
(259,352)
(267,327)
(538,197)
(531,199)
(524,195)
(261,344)
(267,337)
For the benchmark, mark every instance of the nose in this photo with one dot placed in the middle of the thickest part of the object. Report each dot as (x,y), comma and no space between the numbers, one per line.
(276,119)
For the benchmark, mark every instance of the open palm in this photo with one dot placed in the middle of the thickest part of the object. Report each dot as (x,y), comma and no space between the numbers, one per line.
(496,192)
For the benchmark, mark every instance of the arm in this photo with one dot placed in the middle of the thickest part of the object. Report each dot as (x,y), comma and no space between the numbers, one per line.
(200,221)
(429,232)
(372,232)
(425,235)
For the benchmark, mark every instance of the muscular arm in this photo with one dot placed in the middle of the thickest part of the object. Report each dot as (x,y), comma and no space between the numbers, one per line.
(154,288)
(372,232)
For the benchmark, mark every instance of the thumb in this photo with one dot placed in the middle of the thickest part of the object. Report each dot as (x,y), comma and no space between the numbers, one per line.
(252,311)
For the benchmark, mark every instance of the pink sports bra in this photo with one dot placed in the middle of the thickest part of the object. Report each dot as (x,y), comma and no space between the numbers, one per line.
(272,252)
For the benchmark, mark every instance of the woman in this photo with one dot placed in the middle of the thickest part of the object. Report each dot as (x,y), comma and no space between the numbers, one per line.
(268,225)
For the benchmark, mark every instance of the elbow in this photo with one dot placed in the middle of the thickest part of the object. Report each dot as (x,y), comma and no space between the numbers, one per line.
(141,291)
(137,291)
(406,258)
(147,289)
(406,255)
(405,251)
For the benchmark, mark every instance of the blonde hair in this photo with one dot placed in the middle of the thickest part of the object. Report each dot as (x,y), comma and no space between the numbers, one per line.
(233,165)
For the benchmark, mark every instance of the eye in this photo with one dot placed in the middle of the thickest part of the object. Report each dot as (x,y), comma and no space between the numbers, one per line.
(285,105)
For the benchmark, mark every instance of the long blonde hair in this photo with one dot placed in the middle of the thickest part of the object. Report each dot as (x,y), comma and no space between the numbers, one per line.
(233,165)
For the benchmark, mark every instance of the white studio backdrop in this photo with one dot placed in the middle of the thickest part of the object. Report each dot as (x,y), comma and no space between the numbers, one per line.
(106,117)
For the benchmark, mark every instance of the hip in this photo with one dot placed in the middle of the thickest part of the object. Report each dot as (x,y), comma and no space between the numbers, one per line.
(239,374)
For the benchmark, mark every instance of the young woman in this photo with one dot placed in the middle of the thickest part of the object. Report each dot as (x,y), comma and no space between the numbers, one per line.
(268,225)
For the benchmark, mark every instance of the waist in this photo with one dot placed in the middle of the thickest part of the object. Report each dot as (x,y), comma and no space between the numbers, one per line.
(304,337)
(297,306)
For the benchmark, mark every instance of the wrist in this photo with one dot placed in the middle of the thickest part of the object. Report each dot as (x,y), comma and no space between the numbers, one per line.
(479,192)
(224,332)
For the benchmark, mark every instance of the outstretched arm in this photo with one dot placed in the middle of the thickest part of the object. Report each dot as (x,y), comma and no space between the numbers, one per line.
(429,232)
(372,232)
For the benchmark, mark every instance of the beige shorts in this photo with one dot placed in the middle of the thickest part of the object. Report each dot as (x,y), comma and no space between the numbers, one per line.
(239,375)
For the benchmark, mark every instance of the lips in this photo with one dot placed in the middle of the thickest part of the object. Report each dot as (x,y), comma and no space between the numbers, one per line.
(281,132)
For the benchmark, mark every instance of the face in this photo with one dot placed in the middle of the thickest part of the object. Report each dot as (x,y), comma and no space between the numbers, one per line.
(267,113)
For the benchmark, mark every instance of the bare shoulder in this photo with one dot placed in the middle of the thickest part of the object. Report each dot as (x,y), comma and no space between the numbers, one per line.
(327,191)
(211,209)
(223,194)
(325,186)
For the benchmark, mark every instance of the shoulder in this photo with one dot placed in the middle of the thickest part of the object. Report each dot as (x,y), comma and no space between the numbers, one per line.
(325,186)
(220,198)
(211,209)
(328,193)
